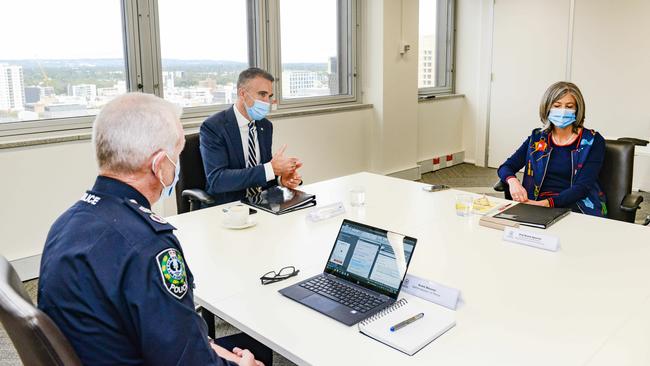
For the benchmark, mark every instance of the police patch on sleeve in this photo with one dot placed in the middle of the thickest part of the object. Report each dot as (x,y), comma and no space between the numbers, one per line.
(172,269)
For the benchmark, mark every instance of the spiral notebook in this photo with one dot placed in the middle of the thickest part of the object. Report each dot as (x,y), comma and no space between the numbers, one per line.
(413,337)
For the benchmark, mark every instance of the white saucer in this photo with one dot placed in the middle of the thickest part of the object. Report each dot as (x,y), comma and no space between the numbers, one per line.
(248,224)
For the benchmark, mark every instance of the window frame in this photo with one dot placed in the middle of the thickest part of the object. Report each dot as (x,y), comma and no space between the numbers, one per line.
(348,40)
(445,71)
(143,62)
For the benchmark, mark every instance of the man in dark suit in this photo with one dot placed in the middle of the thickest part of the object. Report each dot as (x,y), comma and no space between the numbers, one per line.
(236,144)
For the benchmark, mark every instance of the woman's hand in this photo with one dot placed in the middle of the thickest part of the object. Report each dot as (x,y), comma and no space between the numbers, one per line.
(543,203)
(517,191)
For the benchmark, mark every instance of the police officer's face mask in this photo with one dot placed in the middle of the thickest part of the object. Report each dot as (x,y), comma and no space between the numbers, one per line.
(167,189)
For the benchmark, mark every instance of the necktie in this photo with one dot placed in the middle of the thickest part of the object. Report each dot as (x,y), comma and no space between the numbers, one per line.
(252,156)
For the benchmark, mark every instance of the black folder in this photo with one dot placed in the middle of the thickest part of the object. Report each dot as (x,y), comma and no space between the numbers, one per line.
(280,200)
(535,216)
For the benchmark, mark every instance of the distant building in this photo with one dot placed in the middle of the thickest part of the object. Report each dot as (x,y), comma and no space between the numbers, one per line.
(112,91)
(302,84)
(12,87)
(333,75)
(86,91)
(32,94)
(168,80)
(426,64)
(64,110)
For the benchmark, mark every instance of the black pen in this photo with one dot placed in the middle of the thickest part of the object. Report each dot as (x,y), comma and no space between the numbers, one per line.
(406,322)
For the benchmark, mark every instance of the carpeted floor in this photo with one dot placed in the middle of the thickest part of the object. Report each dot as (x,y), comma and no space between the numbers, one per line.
(465,176)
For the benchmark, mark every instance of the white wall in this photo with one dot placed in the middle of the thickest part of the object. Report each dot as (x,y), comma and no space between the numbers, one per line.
(611,65)
(390,84)
(606,53)
(440,129)
(41,182)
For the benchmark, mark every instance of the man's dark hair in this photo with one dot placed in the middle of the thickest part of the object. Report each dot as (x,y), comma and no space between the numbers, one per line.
(250,74)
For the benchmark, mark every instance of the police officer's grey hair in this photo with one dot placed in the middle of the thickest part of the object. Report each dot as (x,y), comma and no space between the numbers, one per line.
(250,74)
(132,127)
(556,92)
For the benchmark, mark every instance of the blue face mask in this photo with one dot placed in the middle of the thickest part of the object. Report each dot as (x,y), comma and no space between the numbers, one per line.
(167,190)
(258,110)
(562,117)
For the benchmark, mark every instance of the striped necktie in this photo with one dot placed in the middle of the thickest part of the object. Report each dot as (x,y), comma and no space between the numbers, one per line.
(252,156)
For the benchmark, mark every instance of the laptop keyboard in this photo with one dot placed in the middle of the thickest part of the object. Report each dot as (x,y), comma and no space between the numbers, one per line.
(343,294)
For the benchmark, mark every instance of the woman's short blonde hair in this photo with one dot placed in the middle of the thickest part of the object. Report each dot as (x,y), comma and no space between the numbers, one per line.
(556,92)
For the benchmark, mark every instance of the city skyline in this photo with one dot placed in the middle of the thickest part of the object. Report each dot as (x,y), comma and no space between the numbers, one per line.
(69,88)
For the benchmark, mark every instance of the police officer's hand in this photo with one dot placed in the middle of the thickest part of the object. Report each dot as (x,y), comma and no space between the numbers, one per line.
(247,358)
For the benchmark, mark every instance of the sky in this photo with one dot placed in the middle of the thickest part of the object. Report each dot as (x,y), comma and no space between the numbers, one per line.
(191,29)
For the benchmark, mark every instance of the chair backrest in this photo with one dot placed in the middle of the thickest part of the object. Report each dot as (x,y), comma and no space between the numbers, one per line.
(616,177)
(36,338)
(192,173)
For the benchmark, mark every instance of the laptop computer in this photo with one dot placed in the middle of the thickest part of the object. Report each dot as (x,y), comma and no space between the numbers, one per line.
(363,274)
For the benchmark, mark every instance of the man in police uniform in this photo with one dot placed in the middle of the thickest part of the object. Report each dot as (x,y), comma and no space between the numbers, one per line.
(113,275)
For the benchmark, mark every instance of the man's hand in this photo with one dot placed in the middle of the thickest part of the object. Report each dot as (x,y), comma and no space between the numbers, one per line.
(246,357)
(517,191)
(283,165)
(292,180)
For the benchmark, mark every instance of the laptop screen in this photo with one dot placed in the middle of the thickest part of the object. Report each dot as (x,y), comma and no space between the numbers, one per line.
(370,257)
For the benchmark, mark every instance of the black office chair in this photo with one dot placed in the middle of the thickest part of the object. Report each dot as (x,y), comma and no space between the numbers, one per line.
(190,193)
(615,179)
(36,338)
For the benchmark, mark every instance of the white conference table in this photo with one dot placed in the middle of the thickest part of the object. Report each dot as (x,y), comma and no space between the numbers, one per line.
(520,305)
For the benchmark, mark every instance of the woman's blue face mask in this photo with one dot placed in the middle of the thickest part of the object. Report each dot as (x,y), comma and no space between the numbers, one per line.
(562,117)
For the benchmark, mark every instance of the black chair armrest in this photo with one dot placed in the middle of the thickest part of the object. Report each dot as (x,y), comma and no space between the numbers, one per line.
(631,202)
(635,141)
(198,195)
(501,186)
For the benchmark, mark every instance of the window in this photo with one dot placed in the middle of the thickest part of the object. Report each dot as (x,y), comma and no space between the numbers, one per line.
(436,41)
(316,60)
(58,64)
(204,47)
(57,69)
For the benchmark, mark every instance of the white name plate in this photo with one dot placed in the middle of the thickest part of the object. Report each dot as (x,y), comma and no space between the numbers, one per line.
(431,291)
(532,239)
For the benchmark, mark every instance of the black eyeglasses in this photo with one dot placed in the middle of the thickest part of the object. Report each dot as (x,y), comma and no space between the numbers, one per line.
(282,274)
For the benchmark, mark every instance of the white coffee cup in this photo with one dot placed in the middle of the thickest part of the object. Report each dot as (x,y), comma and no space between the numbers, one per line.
(237,215)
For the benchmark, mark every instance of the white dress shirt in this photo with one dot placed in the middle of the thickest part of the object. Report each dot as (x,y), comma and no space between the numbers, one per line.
(242,122)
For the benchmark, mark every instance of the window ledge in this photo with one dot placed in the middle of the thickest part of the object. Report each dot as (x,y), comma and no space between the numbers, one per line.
(433,98)
(286,113)
(46,138)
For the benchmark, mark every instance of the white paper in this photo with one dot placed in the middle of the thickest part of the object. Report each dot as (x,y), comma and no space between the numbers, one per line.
(431,291)
(532,238)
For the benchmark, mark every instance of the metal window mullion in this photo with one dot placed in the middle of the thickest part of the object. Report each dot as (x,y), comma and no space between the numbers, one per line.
(131,36)
(273,45)
(257,24)
(143,47)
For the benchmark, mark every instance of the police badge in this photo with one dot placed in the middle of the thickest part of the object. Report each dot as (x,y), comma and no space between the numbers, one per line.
(172,269)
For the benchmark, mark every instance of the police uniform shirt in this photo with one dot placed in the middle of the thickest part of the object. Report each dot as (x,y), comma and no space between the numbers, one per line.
(115,281)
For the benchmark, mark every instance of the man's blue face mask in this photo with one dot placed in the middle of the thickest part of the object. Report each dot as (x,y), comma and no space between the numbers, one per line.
(258,110)
(561,117)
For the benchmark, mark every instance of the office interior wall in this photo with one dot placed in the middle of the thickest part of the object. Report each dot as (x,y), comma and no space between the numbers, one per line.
(609,51)
(611,60)
(40,182)
(529,53)
(439,128)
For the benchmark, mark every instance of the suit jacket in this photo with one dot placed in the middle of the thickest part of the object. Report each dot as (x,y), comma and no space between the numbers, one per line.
(223,157)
